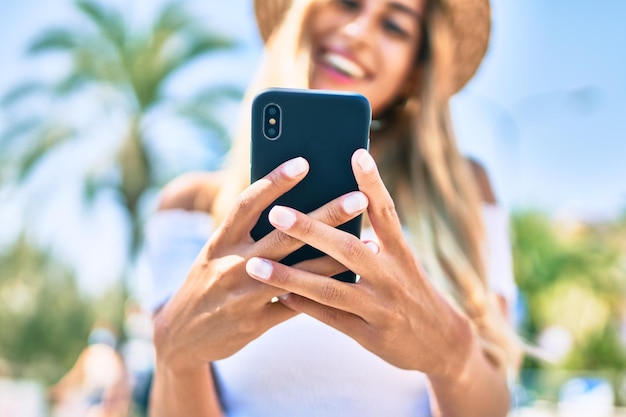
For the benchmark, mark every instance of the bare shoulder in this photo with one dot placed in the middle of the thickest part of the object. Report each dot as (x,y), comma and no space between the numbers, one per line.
(482,179)
(194,191)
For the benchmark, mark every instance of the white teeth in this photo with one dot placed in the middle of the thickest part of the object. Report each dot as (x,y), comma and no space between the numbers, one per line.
(344,65)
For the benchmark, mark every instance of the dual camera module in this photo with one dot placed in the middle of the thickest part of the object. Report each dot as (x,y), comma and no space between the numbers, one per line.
(272,119)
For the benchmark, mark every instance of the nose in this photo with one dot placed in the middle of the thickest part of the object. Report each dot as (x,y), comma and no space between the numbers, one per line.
(359,28)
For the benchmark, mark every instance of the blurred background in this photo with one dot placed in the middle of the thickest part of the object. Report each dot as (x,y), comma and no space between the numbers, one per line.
(103,101)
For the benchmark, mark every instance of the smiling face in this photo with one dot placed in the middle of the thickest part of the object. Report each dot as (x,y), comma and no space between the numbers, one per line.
(366,46)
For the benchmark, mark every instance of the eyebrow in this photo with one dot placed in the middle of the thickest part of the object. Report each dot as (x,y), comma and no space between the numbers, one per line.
(406,9)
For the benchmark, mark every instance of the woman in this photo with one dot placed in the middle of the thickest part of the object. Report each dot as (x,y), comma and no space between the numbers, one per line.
(423,332)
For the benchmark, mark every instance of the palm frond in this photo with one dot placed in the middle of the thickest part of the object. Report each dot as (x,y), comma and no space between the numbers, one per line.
(108,21)
(177,40)
(92,57)
(205,118)
(18,130)
(151,71)
(201,109)
(95,63)
(23,91)
(42,149)
(55,39)
(72,83)
(197,43)
(94,184)
(167,53)
(172,18)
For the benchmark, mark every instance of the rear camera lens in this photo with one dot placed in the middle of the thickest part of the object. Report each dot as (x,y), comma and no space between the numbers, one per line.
(272,121)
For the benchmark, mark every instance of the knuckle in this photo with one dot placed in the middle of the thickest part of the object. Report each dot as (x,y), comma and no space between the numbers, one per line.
(284,240)
(335,215)
(223,269)
(383,315)
(331,294)
(280,276)
(276,179)
(372,179)
(305,225)
(246,327)
(244,203)
(352,248)
(329,316)
(388,209)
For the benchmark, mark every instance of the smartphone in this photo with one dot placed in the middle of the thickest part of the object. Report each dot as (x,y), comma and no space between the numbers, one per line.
(324,127)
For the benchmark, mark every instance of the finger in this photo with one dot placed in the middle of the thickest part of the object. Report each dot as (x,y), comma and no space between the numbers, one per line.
(277,244)
(274,313)
(344,247)
(381,210)
(324,290)
(254,199)
(345,322)
(324,266)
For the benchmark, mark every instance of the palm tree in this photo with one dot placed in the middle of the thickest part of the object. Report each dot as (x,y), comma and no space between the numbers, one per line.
(121,70)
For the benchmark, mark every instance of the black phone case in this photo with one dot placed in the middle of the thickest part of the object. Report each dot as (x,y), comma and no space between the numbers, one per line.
(325,128)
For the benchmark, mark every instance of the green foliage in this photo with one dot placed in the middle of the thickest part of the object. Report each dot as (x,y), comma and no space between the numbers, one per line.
(600,351)
(573,276)
(44,319)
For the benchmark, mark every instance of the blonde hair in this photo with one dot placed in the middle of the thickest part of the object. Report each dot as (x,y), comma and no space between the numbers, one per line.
(430,181)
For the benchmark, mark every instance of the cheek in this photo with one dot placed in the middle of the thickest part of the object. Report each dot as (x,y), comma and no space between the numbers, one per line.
(321,21)
(393,78)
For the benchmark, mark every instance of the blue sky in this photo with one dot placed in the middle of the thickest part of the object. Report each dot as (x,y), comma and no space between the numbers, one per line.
(546,113)
(555,72)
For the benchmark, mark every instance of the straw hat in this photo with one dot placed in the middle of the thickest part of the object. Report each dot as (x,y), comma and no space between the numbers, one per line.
(471,23)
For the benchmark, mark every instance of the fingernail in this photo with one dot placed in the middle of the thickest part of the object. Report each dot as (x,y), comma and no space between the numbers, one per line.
(295,167)
(354,203)
(284,297)
(260,268)
(366,162)
(373,246)
(282,217)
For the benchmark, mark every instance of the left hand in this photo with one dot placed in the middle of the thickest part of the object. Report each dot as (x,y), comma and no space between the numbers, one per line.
(393,310)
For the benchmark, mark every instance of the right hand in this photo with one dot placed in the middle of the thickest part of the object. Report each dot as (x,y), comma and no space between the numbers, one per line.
(219,309)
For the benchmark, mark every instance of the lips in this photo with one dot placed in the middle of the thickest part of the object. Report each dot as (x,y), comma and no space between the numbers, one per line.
(343,64)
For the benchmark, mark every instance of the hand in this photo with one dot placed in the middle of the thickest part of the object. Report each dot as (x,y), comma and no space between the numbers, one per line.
(393,310)
(219,309)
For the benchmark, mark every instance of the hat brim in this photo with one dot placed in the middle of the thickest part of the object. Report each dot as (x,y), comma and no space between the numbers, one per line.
(471,23)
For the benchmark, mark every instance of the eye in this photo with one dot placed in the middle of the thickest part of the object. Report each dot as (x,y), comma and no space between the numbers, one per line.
(349,4)
(394,28)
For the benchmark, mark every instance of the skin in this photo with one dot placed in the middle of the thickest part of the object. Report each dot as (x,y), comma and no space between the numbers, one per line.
(219,308)
(382,37)
(393,311)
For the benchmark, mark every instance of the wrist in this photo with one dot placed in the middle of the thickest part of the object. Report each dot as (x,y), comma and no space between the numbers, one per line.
(473,386)
(171,357)
(178,376)
(460,352)
(190,393)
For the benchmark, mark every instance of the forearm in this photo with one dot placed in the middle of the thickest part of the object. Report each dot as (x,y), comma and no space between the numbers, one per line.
(189,395)
(480,389)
